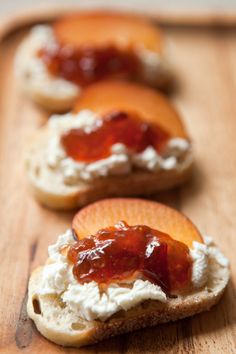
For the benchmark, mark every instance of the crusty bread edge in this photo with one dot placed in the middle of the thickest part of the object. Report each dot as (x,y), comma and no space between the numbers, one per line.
(51,104)
(147,314)
(134,184)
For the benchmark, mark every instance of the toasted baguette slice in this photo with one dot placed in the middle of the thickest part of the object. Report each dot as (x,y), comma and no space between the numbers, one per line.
(50,190)
(96,29)
(101,98)
(69,328)
(58,324)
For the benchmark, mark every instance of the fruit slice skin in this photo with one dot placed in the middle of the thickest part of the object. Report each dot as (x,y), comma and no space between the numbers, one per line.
(108,212)
(149,104)
(104,28)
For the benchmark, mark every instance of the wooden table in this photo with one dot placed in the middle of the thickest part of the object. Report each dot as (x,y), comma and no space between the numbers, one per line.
(205,62)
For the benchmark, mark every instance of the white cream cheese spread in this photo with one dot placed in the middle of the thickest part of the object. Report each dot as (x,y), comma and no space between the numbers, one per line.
(199,255)
(121,161)
(91,303)
(31,68)
(88,300)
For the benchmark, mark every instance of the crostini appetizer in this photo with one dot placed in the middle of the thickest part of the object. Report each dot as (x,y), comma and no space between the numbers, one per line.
(121,139)
(125,264)
(55,62)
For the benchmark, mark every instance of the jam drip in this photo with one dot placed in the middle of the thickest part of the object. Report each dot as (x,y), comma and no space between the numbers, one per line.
(115,127)
(86,65)
(123,252)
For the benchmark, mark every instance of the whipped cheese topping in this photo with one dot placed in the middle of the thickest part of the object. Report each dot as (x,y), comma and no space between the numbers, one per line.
(199,255)
(57,274)
(30,67)
(214,251)
(121,161)
(91,303)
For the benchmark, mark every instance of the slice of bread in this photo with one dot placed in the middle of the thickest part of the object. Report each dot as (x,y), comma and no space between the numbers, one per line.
(102,98)
(70,326)
(100,29)
(50,190)
(57,323)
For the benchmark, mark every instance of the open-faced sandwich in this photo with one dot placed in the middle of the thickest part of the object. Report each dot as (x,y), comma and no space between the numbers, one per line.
(121,139)
(55,62)
(125,264)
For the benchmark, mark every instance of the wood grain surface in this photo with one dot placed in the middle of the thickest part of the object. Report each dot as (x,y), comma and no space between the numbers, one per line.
(205,65)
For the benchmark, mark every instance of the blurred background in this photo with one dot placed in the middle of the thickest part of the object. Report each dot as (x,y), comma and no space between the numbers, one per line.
(8,7)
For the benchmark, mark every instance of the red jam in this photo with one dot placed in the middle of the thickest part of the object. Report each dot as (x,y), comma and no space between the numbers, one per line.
(116,127)
(122,252)
(86,65)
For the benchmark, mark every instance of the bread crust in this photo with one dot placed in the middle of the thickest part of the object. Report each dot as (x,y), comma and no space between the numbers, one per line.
(148,313)
(49,102)
(56,196)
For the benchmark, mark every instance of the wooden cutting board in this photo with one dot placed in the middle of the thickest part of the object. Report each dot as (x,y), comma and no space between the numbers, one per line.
(205,63)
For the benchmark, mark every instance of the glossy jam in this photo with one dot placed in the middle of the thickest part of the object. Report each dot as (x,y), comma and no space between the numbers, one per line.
(87,65)
(122,252)
(116,127)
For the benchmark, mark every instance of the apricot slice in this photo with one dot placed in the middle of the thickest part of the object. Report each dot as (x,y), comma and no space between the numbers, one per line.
(99,29)
(108,212)
(149,104)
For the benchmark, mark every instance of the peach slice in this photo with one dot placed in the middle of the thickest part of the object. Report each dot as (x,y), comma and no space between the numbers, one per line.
(135,212)
(99,29)
(148,104)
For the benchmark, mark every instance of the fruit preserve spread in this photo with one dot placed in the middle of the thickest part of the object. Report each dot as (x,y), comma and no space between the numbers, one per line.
(123,252)
(86,65)
(115,127)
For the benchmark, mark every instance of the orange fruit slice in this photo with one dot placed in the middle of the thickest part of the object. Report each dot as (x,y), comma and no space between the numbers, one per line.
(108,212)
(148,104)
(99,29)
